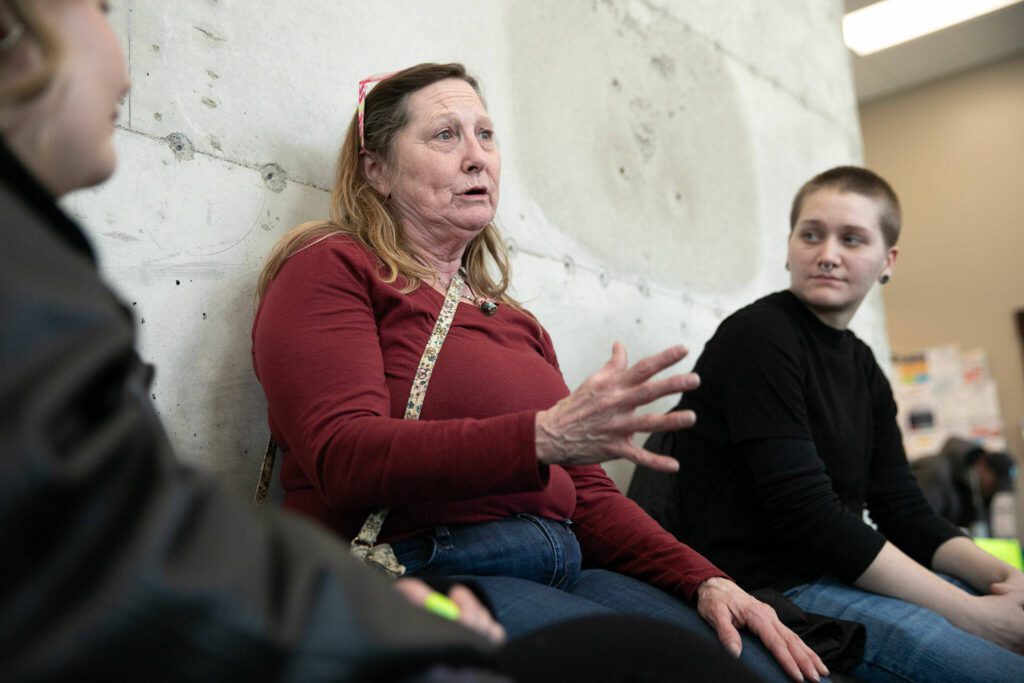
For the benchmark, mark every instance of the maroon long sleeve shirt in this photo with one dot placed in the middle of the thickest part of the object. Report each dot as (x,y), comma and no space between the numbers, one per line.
(336,348)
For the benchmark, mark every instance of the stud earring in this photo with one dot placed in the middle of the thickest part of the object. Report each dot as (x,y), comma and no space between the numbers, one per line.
(14,34)
(884,280)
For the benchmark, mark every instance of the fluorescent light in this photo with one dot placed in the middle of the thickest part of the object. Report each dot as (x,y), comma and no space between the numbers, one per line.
(891,22)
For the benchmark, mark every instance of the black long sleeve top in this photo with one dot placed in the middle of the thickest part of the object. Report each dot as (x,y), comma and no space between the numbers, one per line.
(796,435)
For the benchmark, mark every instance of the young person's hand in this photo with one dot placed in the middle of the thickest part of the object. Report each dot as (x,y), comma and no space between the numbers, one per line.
(1013,583)
(997,618)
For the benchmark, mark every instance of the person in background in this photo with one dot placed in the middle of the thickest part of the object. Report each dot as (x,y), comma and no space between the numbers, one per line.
(970,487)
(499,478)
(798,436)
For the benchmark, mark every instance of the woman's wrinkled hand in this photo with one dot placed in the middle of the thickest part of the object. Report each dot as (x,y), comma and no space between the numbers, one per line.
(472,613)
(727,608)
(596,422)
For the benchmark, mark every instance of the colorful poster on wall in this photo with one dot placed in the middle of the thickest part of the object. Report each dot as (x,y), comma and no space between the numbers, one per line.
(942,392)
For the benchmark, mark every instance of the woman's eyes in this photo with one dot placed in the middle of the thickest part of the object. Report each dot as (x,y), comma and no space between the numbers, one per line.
(448,135)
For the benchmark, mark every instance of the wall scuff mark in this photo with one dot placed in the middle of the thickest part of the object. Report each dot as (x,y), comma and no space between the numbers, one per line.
(181,146)
(274,177)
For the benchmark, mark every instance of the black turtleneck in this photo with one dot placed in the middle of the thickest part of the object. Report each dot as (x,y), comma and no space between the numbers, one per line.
(796,434)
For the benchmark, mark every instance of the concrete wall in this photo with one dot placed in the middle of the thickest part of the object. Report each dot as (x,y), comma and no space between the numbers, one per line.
(954,150)
(650,151)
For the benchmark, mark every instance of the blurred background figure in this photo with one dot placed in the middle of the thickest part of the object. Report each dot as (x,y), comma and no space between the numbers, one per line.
(971,487)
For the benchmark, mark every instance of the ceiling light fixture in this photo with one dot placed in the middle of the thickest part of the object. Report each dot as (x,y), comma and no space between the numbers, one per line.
(891,22)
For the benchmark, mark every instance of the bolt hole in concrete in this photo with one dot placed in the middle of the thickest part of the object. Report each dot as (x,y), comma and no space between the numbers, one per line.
(675,194)
(274,177)
(181,146)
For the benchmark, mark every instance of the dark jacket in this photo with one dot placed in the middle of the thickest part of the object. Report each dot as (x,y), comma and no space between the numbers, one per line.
(117,561)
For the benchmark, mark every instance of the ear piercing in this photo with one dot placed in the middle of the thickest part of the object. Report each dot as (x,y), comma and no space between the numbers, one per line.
(14,34)
(884,280)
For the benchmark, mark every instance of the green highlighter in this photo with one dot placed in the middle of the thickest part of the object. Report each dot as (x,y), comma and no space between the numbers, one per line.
(442,606)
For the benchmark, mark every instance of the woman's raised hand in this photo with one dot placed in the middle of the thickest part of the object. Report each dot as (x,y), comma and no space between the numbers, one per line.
(596,422)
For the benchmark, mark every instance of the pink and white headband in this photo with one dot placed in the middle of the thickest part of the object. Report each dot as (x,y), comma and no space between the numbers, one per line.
(364,88)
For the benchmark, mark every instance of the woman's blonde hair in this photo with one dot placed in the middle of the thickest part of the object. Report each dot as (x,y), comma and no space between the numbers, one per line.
(22,16)
(360,212)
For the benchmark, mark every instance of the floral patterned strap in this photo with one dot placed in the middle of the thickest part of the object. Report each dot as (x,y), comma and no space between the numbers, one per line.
(363,545)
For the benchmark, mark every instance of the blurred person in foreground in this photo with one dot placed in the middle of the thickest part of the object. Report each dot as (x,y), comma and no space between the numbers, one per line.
(118,559)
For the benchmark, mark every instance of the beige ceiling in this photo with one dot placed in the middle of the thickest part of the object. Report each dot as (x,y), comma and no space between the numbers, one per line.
(983,40)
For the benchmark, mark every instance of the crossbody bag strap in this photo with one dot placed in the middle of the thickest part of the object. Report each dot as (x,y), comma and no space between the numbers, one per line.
(364,544)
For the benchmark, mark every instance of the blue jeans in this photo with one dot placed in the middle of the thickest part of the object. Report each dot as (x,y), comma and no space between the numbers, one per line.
(907,642)
(530,570)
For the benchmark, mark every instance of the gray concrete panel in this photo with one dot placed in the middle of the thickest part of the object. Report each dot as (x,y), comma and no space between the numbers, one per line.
(650,150)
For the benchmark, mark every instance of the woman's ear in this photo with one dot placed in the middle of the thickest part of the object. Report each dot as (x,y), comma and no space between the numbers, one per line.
(376,173)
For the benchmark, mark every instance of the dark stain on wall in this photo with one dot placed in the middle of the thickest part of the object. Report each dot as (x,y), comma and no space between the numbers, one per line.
(210,35)
(664,65)
(122,236)
(181,146)
(274,177)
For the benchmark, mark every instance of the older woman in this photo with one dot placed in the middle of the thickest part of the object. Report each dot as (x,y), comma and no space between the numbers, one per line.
(499,478)
(798,436)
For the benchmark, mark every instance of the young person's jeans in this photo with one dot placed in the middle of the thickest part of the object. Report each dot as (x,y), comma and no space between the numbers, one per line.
(530,570)
(907,642)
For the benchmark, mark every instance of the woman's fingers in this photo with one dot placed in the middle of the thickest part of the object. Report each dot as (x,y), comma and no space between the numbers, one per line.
(658,463)
(597,421)
(648,367)
(720,619)
(653,422)
(807,659)
(655,389)
(798,660)
(619,360)
(779,647)
(720,599)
